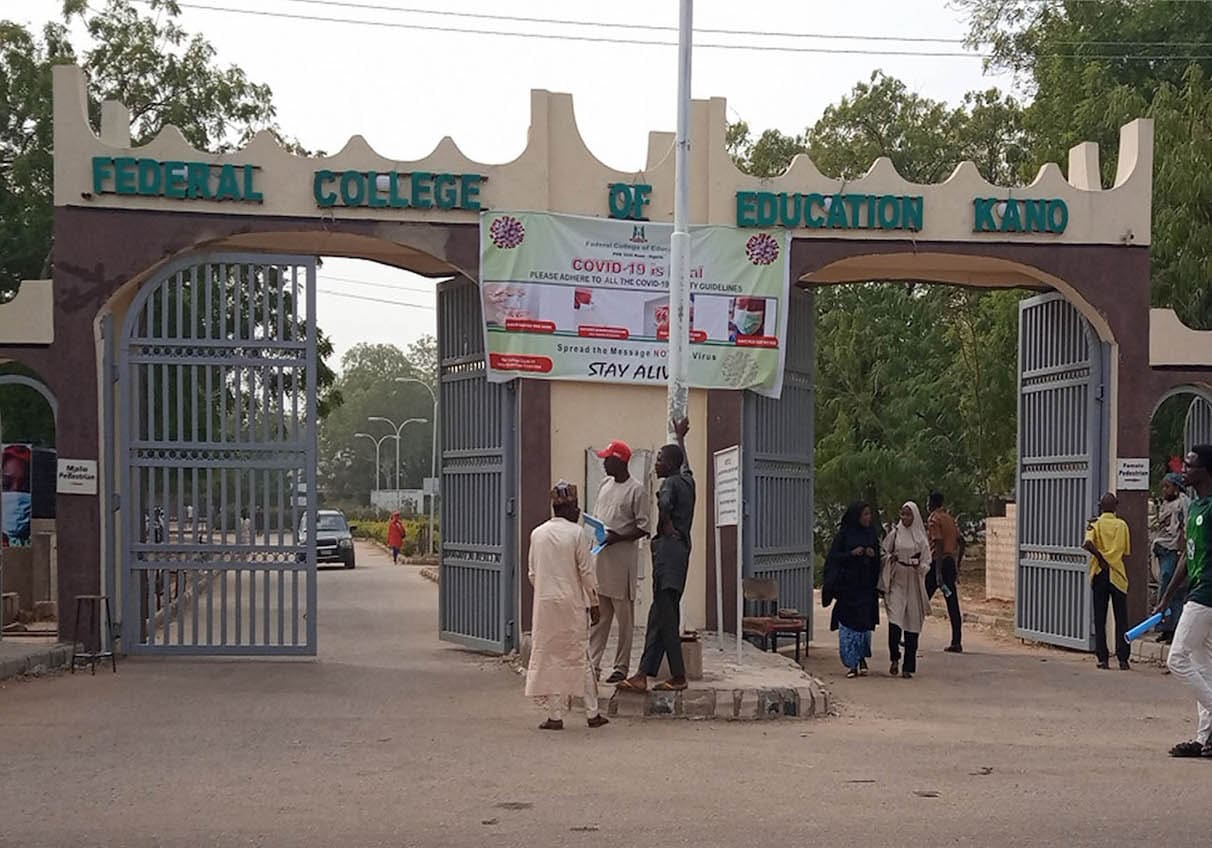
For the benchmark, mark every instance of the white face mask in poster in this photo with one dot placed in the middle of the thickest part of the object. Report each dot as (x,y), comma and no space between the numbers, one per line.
(16,507)
(747,321)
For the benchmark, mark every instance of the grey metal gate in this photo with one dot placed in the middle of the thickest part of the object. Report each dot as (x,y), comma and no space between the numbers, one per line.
(1062,432)
(1197,427)
(776,454)
(476,594)
(217,429)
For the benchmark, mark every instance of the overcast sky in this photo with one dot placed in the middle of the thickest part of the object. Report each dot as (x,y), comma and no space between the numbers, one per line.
(403,87)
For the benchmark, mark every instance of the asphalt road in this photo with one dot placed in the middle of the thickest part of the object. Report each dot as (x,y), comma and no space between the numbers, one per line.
(393,738)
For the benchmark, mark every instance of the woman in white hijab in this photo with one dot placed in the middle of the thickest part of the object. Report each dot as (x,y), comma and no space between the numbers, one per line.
(906,563)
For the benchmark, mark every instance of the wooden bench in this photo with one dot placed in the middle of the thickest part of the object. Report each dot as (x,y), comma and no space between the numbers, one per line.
(773,622)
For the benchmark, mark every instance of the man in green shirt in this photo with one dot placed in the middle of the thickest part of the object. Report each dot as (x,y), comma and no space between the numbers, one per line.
(1191,651)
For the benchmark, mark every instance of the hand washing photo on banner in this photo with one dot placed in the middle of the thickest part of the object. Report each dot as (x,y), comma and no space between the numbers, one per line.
(572,298)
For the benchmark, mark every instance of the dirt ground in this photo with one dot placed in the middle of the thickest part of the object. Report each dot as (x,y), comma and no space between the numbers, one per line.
(393,738)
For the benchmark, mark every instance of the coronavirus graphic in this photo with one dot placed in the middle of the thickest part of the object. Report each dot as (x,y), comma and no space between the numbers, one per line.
(507,232)
(762,249)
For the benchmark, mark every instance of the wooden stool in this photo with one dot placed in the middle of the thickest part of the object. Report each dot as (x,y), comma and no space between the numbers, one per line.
(95,602)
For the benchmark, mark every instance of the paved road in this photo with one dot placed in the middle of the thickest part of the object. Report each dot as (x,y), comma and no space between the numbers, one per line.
(392,738)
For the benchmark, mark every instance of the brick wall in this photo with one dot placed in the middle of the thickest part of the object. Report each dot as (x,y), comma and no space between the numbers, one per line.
(1001,546)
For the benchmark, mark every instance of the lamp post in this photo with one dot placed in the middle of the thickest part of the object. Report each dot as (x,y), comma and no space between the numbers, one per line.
(399,429)
(679,247)
(433,451)
(378,443)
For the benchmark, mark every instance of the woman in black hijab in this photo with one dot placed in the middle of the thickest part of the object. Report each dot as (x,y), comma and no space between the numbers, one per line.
(852,573)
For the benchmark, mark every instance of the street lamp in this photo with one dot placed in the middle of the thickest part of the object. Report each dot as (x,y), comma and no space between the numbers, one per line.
(433,451)
(399,429)
(378,443)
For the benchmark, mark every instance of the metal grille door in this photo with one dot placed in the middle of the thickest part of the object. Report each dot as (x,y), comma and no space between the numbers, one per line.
(1197,428)
(479,449)
(777,445)
(217,411)
(1061,474)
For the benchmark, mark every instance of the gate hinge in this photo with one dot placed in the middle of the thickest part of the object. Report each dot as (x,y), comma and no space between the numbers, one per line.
(114,371)
(117,502)
(509,507)
(509,629)
(1101,392)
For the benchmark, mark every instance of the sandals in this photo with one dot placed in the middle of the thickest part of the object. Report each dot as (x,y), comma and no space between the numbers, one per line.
(1189,749)
(670,686)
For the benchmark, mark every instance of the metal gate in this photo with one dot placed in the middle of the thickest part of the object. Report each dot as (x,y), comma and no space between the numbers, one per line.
(1062,429)
(776,453)
(1197,428)
(217,440)
(479,452)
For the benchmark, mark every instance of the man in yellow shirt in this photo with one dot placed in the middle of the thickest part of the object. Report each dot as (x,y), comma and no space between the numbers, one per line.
(1108,542)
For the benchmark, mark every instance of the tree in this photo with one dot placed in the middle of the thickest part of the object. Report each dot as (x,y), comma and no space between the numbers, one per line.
(369,387)
(1095,66)
(162,74)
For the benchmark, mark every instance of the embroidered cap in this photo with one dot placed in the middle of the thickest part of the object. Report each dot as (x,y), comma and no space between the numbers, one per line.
(563,493)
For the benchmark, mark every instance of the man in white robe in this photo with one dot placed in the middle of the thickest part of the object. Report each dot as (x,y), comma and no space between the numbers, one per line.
(565,603)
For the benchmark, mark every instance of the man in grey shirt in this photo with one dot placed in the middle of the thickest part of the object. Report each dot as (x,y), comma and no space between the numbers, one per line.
(670,564)
(622,505)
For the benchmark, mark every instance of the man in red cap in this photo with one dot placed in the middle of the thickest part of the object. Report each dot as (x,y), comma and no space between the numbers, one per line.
(622,506)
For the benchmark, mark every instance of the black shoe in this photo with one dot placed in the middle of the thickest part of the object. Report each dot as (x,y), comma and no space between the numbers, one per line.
(1103,664)
(1124,666)
(954,649)
(616,677)
(598,721)
(895,668)
(907,674)
(552,724)
(862,668)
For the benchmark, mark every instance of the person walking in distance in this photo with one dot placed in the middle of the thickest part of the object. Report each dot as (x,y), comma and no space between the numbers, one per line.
(944,567)
(1191,651)
(1108,542)
(565,605)
(622,506)
(1167,546)
(670,564)
(903,581)
(395,537)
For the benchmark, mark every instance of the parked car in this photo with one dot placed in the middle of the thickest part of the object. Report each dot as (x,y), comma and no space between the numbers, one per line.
(334,538)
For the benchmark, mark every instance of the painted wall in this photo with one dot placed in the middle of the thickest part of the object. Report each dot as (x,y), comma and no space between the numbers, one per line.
(585,415)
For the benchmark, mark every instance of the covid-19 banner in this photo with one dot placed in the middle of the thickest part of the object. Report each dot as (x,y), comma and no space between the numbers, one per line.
(572,298)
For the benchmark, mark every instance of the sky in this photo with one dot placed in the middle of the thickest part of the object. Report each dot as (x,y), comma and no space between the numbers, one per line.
(406,85)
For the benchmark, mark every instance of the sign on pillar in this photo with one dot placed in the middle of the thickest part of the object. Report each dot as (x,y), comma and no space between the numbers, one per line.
(728,514)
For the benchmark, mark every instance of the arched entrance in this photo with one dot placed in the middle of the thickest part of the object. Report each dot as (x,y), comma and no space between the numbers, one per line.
(504,444)
(28,539)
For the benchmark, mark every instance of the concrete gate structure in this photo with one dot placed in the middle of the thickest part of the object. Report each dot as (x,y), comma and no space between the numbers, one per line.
(1095,358)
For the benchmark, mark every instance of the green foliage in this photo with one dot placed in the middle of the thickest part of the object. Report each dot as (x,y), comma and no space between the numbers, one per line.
(164,75)
(916,387)
(25,415)
(1082,62)
(368,387)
